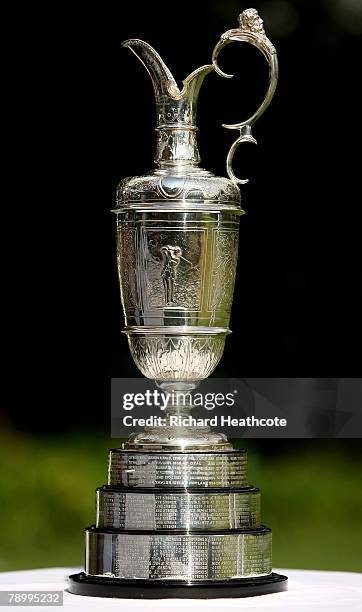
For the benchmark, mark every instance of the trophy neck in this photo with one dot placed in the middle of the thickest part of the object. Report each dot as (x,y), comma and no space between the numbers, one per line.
(176,125)
(176,147)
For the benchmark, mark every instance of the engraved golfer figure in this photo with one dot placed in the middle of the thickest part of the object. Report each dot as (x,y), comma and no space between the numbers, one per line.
(172,256)
(171,259)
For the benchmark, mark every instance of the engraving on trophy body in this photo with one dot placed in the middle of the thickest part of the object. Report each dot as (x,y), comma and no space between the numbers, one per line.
(171,259)
(171,510)
(197,186)
(172,276)
(183,557)
(172,255)
(126,255)
(179,270)
(162,357)
(170,470)
(225,249)
(175,145)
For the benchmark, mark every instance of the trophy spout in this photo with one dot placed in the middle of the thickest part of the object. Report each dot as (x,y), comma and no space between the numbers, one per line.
(176,108)
(161,76)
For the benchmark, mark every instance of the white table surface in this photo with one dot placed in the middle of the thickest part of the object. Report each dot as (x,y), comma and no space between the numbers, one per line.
(308,590)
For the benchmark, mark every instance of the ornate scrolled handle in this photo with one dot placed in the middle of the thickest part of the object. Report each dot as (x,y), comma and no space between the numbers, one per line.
(250,30)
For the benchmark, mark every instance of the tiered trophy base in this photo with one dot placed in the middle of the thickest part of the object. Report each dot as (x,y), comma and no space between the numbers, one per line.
(82,584)
(177,524)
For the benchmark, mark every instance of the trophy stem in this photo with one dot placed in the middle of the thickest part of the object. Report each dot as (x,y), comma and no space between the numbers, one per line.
(180,430)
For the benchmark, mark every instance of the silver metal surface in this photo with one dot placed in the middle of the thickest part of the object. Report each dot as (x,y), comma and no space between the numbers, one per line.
(189,188)
(171,437)
(177,226)
(250,30)
(170,510)
(176,108)
(176,556)
(164,357)
(177,268)
(176,470)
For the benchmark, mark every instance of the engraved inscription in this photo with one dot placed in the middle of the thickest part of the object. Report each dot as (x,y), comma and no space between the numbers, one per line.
(183,557)
(194,470)
(177,510)
(257,553)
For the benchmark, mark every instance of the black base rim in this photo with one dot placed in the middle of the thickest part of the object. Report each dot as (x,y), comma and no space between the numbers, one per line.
(93,586)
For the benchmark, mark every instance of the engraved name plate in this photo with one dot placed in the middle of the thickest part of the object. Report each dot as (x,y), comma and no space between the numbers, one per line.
(151,510)
(164,470)
(179,556)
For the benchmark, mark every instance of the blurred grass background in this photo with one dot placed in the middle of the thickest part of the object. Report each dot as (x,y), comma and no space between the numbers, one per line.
(311,497)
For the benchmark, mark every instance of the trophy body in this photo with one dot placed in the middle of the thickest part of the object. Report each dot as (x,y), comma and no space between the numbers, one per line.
(177,517)
(177,277)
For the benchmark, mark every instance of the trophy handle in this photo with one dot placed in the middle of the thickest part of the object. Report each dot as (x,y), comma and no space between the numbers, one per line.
(250,30)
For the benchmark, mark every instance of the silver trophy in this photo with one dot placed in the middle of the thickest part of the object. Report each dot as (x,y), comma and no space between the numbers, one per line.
(177,517)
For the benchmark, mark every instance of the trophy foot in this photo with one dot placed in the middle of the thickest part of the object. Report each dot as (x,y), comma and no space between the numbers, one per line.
(82,584)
